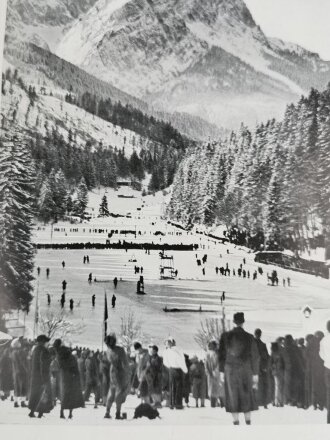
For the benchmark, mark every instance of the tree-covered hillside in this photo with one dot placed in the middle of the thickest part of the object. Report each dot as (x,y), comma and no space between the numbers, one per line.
(268,186)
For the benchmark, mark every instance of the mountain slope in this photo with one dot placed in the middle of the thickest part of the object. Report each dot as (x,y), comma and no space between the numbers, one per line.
(184,55)
(209,59)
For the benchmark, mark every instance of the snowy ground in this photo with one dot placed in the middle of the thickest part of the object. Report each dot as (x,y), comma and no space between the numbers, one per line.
(202,416)
(276,310)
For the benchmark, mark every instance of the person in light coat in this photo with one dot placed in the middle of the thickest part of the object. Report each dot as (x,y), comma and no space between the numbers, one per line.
(174,360)
(215,391)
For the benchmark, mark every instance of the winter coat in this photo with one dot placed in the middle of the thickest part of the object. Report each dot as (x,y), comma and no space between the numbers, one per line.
(71,395)
(141,368)
(20,372)
(239,360)
(317,376)
(92,374)
(82,371)
(293,375)
(40,398)
(6,371)
(119,373)
(197,379)
(213,374)
(154,372)
(264,384)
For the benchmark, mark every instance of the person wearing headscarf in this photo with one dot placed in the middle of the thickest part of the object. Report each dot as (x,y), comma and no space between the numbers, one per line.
(239,365)
(40,398)
(119,376)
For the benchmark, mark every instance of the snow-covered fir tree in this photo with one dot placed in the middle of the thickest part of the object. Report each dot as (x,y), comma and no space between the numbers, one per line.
(103,209)
(17,207)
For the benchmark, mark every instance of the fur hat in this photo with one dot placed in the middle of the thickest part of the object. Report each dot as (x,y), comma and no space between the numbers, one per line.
(42,338)
(239,318)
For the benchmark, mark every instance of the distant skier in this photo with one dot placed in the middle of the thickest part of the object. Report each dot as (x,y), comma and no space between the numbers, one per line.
(38,270)
(289,281)
(283,282)
(115,282)
(48,299)
(71,304)
(64,284)
(93,300)
(87,259)
(63,264)
(84,259)
(244,261)
(203,270)
(223,296)
(141,269)
(90,277)
(113,301)
(47,272)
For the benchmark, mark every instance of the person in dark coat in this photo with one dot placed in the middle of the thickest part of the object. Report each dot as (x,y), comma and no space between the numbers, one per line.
(119,376)
(40,398)
(47,272)
(154,372)
(293,373)
(198,381)
(113,301)
(186,382)
(318,374)
(71,395)
(264,395)
(93,300)
(141,358)
(308,370)
(19,372)
(239,365)
(6,372)
(115,282)
(92,379)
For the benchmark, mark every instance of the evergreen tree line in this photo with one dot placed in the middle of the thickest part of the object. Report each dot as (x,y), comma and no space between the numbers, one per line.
(270,186)
(65,172)
(126,116)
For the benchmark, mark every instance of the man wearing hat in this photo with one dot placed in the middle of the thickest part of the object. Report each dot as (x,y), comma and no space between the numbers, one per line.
(40,385)
(239,367)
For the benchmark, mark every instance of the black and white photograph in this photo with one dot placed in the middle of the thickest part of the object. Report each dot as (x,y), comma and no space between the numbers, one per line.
(165,215)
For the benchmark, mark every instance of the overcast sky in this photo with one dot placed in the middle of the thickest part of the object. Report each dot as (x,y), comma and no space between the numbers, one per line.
(306,22)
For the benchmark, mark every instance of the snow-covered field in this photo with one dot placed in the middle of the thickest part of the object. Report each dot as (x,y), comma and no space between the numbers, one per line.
(189,416)
(276,310)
